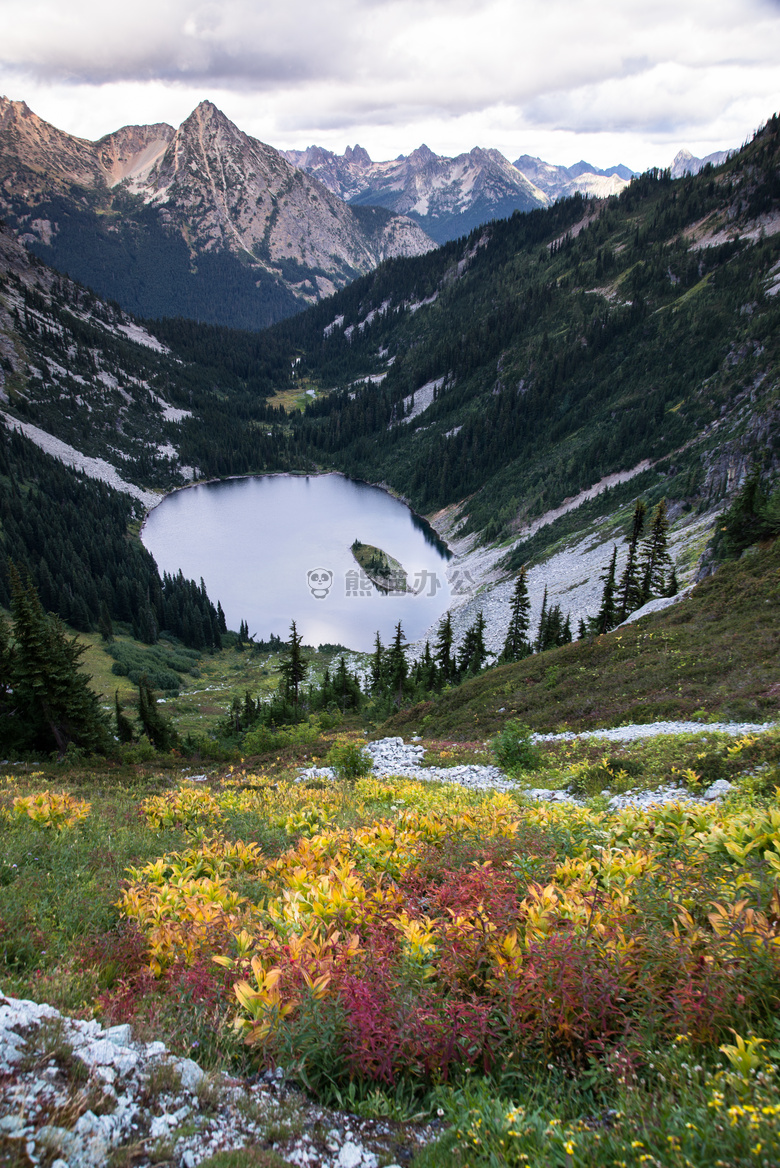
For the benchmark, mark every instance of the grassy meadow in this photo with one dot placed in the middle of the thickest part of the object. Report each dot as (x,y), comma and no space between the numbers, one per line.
(554,985)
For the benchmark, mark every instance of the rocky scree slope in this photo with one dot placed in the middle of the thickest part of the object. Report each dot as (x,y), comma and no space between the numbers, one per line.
(152,215)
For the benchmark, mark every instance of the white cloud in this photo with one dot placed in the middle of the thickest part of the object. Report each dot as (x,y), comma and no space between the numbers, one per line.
(624,81)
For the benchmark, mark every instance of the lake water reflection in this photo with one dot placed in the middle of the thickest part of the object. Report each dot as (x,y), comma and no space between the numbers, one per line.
(257,541)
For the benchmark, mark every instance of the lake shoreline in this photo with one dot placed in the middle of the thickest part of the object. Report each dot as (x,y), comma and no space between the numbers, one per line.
(274,542)
(294,474)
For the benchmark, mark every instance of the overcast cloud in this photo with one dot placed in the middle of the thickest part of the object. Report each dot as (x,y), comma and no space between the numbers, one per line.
(618,81)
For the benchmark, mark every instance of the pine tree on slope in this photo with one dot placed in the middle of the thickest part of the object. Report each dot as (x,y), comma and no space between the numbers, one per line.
(629,589)
(516,644)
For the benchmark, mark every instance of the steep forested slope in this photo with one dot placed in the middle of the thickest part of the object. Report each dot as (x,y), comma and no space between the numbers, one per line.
(519,366)
(87,382)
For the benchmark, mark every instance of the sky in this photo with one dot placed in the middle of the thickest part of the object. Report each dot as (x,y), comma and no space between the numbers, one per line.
(615,81)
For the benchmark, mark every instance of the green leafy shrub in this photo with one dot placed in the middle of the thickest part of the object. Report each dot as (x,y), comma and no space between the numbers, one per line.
(350,761)
(162,663)
(513,748)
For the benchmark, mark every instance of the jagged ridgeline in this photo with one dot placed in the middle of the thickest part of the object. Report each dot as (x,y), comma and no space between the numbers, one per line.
(521,365)
(202,221)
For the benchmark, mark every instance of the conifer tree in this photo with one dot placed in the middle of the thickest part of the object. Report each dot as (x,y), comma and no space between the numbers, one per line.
(752,516)
(346,688)
(377,665)
(607,615)
(629,589)
(155,725)
(292,667)
(51,702)
(516,644)
(655,562)
(6,660)
(397,665)
(105,627)
(428,669)
(473,651)
(443,649)
(124,728)
(541,632)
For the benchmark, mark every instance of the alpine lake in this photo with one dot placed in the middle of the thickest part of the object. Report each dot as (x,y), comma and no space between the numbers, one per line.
(278,548)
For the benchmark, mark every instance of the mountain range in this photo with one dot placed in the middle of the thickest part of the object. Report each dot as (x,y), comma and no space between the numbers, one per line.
(201,221)
(448,197)
(204,221)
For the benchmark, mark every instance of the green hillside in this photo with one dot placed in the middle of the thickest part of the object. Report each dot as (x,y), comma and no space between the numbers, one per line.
(716,653)
(565,344)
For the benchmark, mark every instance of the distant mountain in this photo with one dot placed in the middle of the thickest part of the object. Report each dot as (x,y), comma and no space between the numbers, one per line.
(557,182)
(202,221)
(446,196)
(686,163)
(450,196)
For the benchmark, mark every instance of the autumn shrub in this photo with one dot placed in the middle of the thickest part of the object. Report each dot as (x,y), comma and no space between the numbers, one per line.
(50,810)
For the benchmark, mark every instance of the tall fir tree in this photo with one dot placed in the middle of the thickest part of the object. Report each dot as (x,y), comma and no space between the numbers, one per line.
(51,704)
(443,649)
(377,665)
(155,725)
(124,727)
(292,667)
(473,651)
(516,644)
(397,666)
(541,632)
(607,614)
(656,563)
(629,591)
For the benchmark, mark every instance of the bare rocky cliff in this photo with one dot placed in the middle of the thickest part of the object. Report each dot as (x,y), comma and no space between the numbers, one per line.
(208,185)
(233,191)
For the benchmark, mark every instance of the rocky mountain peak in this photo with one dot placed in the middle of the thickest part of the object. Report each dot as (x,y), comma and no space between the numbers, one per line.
(687,163)
(131,153)
(422,155)
(357,155)
(216,187)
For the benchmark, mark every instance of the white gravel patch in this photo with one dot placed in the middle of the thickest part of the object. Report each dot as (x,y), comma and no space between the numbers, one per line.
(95,468)
(653,729)
(393,758)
